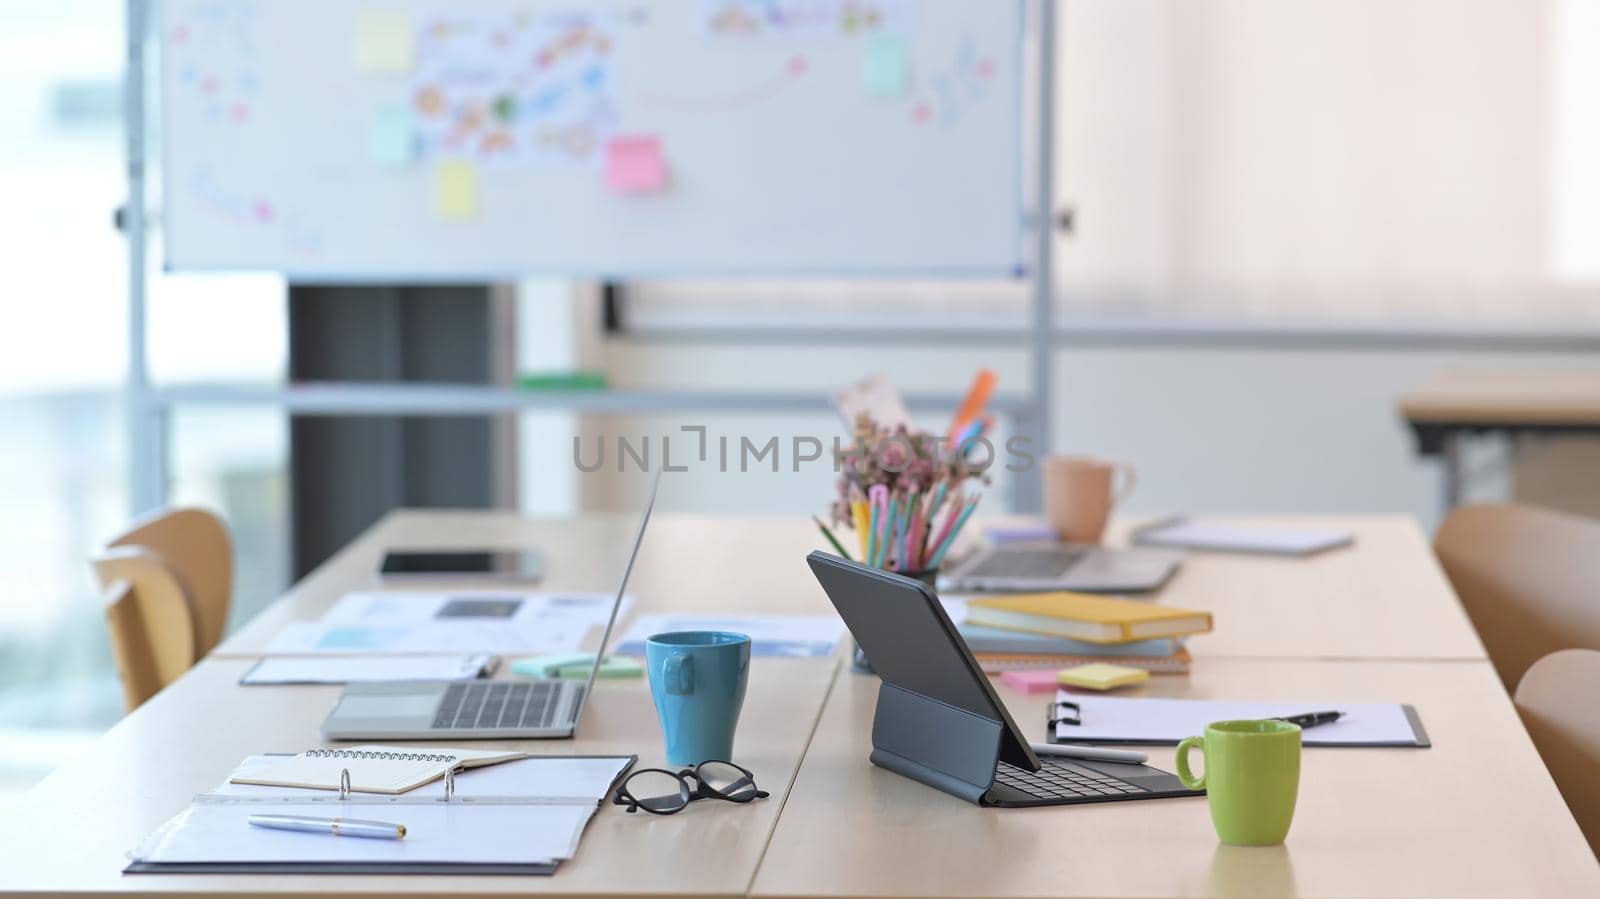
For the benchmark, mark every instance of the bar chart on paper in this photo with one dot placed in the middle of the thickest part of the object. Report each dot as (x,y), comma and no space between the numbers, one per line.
(480,137)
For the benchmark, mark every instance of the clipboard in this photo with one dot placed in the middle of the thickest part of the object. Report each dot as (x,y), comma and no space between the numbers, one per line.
(1078,718)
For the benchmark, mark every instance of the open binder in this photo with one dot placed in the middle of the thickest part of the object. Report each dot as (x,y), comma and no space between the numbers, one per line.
(522,817)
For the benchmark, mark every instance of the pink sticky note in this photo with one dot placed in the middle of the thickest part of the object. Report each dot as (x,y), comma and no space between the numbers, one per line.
(634,165)
(1031,681)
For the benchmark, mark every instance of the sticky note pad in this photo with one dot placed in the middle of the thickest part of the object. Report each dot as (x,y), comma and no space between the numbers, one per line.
(887,69)
(576,665)
(393,141)
(385,42)
(455,190)
(1030,681)
(634,165)
(1100,676)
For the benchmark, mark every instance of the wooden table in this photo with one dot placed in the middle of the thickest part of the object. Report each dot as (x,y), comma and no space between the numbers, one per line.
(1381,607)
(1385,597)
(1455,404)
(1476,815)
(71,833)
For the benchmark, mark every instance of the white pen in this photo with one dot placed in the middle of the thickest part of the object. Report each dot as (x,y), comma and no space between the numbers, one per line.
(1093,753)
(339,827)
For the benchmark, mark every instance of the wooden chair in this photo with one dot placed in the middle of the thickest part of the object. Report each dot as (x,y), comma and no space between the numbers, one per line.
(168,583)
(1556,699)
(1529,579)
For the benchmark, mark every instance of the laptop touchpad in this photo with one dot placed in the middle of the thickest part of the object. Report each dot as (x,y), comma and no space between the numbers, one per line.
(405,705)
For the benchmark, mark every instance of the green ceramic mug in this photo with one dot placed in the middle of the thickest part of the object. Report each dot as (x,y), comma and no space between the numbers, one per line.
(1251,779)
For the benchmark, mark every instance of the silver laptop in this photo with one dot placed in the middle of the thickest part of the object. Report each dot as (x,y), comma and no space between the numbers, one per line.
(457,710)
(1063,566)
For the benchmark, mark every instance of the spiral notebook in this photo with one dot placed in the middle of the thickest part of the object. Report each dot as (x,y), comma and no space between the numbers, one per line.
(390,770)
(522,817)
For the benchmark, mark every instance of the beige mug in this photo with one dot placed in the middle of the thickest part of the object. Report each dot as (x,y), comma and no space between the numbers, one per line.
(1080,492)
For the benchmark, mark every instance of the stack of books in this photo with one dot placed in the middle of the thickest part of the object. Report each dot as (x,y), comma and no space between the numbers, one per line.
(1059,630)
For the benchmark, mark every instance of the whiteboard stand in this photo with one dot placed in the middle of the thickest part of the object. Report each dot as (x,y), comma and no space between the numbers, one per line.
(149,409)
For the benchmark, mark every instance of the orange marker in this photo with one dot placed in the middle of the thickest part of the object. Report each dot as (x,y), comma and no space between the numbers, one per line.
(977,398)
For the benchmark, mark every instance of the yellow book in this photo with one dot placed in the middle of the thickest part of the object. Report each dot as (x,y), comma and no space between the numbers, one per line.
(1081,616)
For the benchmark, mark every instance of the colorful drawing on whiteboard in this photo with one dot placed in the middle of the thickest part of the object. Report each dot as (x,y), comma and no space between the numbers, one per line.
(790,72)
(211,45)
(805,18)
(514,90)
(252,211)
(952,89)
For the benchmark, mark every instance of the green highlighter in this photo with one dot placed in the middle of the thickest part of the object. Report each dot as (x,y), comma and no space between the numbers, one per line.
(576,666)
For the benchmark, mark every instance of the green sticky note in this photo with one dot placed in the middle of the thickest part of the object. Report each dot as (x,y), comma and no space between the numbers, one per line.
(393,141)
(576,665)
(887,72)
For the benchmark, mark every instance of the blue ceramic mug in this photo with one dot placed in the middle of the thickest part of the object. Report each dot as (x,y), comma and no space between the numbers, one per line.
(697,679)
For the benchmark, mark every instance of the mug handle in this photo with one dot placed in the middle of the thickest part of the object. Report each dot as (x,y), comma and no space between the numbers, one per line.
(1184,774)
(1129,479)
(677,671)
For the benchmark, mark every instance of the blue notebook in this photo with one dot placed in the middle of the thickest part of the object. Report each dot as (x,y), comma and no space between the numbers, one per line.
(993,639)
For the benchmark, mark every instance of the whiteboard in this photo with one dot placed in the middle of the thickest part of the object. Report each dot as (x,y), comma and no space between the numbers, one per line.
(379,139)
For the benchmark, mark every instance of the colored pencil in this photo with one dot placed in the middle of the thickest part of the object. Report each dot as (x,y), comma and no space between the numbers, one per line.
(913,546)
(860,517)
(879,498)
(956,502)
(891,529)
(837,546)
(876,504)
(950,539)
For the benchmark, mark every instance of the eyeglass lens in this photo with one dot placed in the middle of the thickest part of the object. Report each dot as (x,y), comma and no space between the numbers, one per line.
(658,791)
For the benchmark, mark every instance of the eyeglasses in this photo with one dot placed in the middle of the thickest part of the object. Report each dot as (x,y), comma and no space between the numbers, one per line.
(663,792)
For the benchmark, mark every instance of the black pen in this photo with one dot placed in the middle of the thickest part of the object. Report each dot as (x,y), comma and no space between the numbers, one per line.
(1311,719)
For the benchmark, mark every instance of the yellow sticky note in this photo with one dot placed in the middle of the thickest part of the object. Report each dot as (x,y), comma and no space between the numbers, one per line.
(385,42)
(455,190)
(1101,676)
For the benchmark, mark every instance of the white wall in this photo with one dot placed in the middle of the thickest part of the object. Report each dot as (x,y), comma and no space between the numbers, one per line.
(1210,430)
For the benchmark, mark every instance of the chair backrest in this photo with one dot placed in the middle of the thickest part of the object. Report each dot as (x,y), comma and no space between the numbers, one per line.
(1556,699)
(195,546)
(1529,579)
(150,620)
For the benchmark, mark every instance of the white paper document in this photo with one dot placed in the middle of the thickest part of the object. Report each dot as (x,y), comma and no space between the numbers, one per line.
(528,812)
(405,622)
(770,635)
(216,830)
(1109,719)
(365,669)
(1219,537)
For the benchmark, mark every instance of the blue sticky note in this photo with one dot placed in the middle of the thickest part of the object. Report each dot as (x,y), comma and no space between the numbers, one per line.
(394,142)
(888,64)
(368,638)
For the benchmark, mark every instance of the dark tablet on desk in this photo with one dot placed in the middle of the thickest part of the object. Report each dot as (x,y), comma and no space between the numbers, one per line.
(939,720)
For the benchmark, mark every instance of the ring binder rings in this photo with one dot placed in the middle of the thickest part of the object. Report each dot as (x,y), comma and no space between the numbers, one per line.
(387,756)
(371,769)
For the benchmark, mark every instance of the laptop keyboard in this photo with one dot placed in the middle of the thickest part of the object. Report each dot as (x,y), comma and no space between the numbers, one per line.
(501,704)
(1060,779)
(1045,562)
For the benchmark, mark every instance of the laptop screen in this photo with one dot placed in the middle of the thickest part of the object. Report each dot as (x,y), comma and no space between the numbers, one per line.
(616,603)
